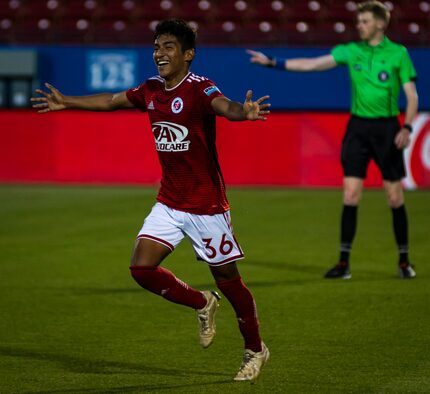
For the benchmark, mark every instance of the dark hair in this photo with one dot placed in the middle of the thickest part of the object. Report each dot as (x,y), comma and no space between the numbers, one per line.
(179,29)
(379,10)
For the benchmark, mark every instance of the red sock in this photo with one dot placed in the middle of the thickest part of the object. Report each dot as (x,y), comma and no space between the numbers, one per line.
(246,312)
(162,282)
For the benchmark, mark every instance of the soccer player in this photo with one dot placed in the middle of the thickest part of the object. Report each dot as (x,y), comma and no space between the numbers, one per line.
(192,202)
(378,68)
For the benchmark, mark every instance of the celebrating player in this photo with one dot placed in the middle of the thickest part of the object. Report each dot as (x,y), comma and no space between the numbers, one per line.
(191,201)
(377,67)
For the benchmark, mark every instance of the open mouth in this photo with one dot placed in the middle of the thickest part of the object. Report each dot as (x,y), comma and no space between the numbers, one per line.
(162,63)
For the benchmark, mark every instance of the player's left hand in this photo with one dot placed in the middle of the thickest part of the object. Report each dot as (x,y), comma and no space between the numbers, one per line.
(402,138)
(254,110)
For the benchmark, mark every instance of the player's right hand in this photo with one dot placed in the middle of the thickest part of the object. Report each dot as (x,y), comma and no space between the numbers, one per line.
(53,100)
(259,58)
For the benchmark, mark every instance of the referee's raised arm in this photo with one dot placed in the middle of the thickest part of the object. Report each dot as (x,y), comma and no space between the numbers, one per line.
(319,63)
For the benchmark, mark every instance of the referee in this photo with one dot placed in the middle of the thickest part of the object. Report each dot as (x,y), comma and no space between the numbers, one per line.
(378,68)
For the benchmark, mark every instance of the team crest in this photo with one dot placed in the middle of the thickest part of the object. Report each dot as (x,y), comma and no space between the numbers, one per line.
(383,76)
(177,105)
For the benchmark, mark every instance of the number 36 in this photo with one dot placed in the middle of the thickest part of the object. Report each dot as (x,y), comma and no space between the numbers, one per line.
(225,247)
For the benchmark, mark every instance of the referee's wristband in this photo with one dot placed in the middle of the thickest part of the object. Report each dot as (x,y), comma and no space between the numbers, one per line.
(277,63)
(408,126)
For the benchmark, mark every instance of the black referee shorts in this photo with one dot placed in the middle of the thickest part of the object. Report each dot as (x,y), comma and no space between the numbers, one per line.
(367,139)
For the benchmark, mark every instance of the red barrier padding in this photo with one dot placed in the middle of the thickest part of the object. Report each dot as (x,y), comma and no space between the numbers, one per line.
(294,149)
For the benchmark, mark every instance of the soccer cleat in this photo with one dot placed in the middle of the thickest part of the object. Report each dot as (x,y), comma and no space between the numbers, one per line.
(406,271)
(252,364)
(339,271)
(206,318)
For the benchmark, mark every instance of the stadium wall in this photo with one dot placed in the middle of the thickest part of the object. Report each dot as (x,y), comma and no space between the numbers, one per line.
(289,149)
(86,70)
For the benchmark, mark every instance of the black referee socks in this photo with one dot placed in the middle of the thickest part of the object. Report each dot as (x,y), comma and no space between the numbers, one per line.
(348,227)
(400,227)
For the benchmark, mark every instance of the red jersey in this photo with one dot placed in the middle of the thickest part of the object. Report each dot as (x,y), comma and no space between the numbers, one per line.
(183,124)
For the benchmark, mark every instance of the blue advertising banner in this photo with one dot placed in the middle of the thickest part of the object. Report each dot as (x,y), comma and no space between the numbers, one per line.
(88,70)
(111,70)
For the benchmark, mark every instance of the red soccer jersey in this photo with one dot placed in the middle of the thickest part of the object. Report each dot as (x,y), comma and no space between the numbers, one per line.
(183,124)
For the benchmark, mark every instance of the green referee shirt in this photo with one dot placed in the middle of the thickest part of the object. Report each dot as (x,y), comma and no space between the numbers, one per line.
(377,73)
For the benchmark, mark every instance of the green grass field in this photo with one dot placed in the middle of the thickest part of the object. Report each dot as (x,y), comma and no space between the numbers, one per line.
(73,320)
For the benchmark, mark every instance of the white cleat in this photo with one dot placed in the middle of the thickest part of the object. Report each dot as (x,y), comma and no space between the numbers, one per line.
(252,364)
(406,271)
(206,318)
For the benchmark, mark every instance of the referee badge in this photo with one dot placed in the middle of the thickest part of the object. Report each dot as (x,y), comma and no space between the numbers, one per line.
(383,76)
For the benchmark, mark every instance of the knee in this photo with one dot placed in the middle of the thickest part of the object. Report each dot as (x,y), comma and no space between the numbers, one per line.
(351,197)
(144,276)
(395,200)
(394,193)
(138,272)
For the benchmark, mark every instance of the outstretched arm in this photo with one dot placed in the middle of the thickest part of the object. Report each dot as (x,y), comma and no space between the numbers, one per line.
(320,63)
(249,110)
(54,100)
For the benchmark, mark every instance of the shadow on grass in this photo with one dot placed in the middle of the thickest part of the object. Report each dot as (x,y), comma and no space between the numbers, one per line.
(316,274)
(313,273)
(289,267)
(283,280)
(102,290)
(104,367)
(134,389)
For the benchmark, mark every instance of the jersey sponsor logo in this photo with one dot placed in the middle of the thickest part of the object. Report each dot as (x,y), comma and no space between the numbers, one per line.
(211,89)
(170,137)
(177,105)
(383,76)
(151,105)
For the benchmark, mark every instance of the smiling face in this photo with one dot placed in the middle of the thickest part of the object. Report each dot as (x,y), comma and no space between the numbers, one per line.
(172,63)
(369,27)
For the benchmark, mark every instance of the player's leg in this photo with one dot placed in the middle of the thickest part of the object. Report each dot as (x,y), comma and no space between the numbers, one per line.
(352,191)
(157,239)
(230,283)
(214,242)
(391,163)
(396,202)
(355,159)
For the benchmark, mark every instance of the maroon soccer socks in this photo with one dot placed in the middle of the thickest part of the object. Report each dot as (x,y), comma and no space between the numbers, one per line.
(243,304)
(162,282)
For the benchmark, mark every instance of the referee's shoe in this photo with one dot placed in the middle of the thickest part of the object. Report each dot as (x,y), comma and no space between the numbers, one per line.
(406,271)
(339,271)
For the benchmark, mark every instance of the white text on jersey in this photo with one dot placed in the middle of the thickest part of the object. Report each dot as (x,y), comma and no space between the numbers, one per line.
(169,137)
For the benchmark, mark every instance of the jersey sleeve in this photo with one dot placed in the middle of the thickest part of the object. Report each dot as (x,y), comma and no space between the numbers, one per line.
(407,71)
(137,97)
(340,54)
(206,92)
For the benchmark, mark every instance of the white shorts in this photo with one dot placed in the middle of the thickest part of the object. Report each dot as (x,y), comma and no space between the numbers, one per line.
(211,235)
